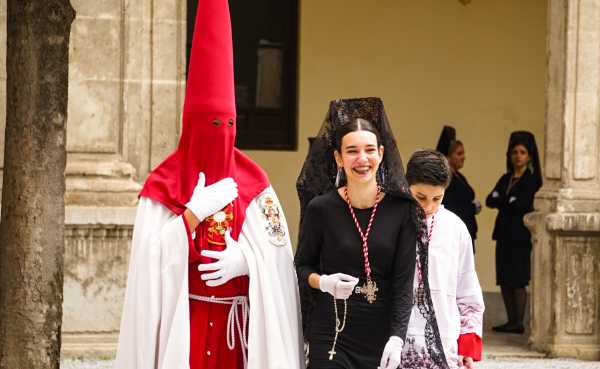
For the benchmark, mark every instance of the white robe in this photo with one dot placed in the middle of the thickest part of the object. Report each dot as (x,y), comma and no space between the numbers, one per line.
(155,331)
(455,290)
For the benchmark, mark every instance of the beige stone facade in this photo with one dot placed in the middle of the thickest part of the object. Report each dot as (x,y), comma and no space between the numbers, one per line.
(126,85)
(125,95)
(566,226)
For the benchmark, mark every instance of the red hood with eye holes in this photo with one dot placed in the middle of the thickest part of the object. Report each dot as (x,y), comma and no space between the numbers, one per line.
(208,124)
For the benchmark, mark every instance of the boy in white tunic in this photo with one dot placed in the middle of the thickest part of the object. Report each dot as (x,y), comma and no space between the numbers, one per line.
(455,289)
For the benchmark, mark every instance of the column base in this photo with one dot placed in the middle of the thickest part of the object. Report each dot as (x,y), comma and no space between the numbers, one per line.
(100,183)
(565,277)
(97,248)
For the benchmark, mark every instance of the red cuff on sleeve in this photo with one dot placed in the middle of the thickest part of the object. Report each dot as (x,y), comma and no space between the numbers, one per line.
(469,344)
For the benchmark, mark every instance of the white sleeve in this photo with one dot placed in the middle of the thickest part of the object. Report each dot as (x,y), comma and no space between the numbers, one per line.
(469,297)
(274,337)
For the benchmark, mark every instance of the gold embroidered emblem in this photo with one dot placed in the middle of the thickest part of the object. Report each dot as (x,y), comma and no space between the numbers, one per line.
(275,229)
(217,224)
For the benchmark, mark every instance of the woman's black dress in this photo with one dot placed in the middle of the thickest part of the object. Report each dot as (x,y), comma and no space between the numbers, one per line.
(458,198)
(513,239)
(330,243)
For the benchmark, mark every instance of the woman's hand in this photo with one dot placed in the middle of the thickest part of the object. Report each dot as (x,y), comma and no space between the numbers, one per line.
(338,285)
(466,362)
(477,205)
(392,353)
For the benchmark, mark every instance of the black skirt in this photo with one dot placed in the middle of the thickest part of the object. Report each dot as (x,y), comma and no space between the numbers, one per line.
(513,263)
(360,344)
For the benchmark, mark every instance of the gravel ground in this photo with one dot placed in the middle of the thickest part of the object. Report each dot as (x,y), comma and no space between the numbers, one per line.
(86,364)
(488,364)
(537,364)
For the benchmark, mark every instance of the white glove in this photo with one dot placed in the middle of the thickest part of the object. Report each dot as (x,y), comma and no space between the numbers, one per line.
(392,353)
(230,263)
(512,199)
(477,205)
(339,285)
(208,200)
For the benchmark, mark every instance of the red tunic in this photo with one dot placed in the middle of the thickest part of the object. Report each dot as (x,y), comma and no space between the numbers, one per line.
(208,321)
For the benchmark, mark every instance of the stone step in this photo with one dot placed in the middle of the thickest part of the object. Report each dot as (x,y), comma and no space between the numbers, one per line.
(507,345)
(89,345)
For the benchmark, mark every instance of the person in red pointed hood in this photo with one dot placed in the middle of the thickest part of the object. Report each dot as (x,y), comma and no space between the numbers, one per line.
(208,133)
(210,239)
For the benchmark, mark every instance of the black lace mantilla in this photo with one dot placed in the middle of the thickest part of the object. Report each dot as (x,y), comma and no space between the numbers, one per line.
(319,170)
(433,341)
(318,177)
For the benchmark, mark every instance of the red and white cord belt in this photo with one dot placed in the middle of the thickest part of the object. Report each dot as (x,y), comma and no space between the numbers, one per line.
(233,319)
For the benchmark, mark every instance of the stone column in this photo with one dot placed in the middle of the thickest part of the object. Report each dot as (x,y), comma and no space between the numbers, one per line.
(125,95)
(566,224)
(127,71)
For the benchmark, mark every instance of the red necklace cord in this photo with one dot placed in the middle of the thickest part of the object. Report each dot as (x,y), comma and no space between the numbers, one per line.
(364,235)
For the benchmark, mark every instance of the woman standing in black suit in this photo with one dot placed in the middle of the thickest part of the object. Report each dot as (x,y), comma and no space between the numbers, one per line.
(513,197)
(460,196)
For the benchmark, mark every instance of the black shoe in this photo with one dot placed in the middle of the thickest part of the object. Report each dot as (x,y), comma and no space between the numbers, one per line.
(501,327)
(510,328)
(515,328)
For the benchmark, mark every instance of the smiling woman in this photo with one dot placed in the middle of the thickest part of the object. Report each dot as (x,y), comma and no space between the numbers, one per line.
(356,254)
(358,155)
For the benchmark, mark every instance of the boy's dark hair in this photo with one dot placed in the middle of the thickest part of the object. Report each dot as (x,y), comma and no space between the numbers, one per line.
(428,167)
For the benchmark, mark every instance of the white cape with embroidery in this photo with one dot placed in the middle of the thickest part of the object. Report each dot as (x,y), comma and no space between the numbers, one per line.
(155,324)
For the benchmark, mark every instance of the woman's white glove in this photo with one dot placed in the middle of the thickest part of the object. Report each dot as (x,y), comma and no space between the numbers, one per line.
(208,200)
(339,285)
(392,353)
(230,263)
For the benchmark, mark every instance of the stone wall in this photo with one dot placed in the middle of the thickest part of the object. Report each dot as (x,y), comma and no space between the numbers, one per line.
(96,263)
(125,95)
(126,86)
(126,90)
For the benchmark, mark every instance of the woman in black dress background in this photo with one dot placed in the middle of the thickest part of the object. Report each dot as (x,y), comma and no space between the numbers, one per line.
(364,185)
(513,196)
(460,196)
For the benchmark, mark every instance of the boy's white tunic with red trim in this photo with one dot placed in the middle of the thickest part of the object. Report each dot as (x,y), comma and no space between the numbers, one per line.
(455,292)
(171,318)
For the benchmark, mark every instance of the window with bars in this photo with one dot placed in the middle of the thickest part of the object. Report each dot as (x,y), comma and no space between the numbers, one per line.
(265,44)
